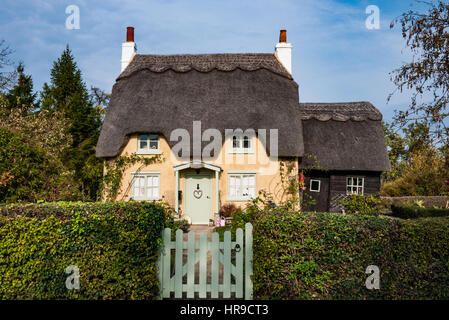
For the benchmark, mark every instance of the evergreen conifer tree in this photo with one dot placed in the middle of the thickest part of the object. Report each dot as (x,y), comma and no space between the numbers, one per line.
(21,95)
(67,93)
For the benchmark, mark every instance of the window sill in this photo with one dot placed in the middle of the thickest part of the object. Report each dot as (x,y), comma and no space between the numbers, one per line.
(147,152)
(241,152)
(239,199)
(145,199)
(243,172)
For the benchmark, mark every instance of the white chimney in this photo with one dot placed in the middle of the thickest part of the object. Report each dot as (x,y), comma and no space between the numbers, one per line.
(128,48)
(284,51)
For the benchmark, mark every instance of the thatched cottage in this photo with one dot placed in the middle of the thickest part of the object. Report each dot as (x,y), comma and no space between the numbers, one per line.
(228,126)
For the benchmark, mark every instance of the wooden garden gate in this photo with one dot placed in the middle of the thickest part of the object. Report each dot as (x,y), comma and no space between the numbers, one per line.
(223,271)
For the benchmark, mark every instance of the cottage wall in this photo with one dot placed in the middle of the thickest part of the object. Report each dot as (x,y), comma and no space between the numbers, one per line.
(333,188)
(268,177)
(337,186)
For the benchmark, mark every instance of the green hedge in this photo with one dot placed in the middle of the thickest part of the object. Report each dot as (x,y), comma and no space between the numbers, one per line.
(114,245)
(428,202)
(325,256)
(412,212)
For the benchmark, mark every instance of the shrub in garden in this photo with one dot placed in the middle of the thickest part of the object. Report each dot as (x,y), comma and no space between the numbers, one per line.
(170,221)
(183,224)
(361,204)
(114,245)
(414,211)
(427,202)
(28,173)
(227,210)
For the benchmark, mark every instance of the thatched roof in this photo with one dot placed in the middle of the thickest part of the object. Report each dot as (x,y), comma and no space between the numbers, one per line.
(225,91)
(159,94)
(343,136)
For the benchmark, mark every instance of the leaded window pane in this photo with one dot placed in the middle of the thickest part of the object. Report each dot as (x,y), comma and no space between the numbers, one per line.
(154,141)
(139,186)
(155,187)
(246,142)
(154,145)
(232,190)
(235,142)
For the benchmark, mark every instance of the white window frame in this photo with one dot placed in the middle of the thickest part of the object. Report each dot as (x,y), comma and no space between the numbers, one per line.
(149,139)
(240,196)
(146,175)
(319,185)
(240,138)
(357,185)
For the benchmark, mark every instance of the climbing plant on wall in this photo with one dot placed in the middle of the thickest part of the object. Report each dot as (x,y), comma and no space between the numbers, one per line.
(114,170)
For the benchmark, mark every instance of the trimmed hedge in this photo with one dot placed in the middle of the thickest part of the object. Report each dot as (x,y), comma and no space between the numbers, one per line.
(114,245)
(325,256)
(412,212)
(428,202)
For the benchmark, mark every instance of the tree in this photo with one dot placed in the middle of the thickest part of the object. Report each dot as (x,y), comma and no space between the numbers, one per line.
(28,174)
(6,77)
(45,128)
(67,94)
(101,100)
(420,157)
(423,175)
(396,147)
(22,93)
(418,167)
(427,36)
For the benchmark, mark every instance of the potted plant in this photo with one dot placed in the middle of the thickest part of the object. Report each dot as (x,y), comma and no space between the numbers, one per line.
(227,212)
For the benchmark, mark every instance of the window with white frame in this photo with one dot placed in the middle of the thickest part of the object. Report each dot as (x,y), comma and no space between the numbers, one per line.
(145,186)
(148,144)
(242,187)
(241,143)
(355,185)
(315,185)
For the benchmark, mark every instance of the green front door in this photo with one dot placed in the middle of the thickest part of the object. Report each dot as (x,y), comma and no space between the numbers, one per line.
(198,197)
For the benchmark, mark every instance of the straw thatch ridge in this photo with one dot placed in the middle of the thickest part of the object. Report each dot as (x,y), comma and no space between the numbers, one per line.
(341,111)
(205,63)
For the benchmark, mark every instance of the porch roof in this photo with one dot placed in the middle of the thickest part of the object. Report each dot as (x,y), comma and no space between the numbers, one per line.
(197,165)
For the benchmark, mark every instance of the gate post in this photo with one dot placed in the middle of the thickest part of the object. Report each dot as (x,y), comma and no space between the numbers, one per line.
(248,261)
(164,255)
(166,263)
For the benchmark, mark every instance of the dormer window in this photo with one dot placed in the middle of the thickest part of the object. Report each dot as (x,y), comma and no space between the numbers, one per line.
(241,143)
(148,144)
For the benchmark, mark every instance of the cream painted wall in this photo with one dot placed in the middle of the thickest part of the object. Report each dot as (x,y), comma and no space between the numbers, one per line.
(267,177)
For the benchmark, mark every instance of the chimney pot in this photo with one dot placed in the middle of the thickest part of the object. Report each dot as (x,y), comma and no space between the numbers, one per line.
(130,34)
(283,51)
(128,48)
(283,36)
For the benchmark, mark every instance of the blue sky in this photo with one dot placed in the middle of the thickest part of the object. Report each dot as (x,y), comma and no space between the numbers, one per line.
(335,57)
